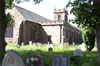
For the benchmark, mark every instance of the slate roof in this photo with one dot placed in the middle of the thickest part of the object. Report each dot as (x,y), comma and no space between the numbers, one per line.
(30,16)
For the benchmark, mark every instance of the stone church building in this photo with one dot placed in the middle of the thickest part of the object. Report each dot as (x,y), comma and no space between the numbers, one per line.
(29,26)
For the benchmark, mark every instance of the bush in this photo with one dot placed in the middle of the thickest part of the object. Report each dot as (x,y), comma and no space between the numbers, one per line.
(88,36)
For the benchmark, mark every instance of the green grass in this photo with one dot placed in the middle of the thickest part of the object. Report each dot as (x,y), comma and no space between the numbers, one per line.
(89,58)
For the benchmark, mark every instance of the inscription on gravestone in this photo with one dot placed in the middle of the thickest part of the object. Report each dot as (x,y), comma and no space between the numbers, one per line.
(61,61)
(11,60)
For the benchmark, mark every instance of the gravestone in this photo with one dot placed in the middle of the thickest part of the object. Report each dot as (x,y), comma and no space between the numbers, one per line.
(33,44)
(39,44)
(50,49)
(12,58)
(51,45)
(30,43)
(61,61)
(78,52)
(22,44)
(18,46)
(39,62)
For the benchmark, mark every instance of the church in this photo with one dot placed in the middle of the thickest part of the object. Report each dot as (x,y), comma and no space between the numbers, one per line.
(28,26)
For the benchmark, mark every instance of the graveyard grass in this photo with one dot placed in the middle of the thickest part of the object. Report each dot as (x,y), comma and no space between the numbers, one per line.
(88,59)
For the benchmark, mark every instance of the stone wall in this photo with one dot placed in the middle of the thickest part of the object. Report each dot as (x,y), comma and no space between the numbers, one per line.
(29,31)
(50,33)
(9,40)
(53,31)
(17,18)
(72,34)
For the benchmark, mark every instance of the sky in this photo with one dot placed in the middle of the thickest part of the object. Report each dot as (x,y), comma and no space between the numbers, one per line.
(46,8)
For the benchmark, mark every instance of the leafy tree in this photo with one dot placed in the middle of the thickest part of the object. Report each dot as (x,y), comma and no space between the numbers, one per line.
(88,36)
(3,20)
(87,13)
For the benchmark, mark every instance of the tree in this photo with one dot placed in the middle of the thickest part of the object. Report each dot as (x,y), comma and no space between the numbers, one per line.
(88,36)
(3,24)
(87,14)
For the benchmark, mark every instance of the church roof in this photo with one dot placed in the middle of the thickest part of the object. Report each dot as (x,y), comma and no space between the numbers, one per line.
(30,16)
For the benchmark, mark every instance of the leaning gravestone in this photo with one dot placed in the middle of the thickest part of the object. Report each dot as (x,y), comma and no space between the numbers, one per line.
(36,60)
(12,58)
(78,52)
(61,61)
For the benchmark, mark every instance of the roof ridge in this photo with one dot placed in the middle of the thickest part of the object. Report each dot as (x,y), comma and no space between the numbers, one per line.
(30,14)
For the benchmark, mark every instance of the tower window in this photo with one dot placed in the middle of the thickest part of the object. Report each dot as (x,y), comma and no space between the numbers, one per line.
(59,17)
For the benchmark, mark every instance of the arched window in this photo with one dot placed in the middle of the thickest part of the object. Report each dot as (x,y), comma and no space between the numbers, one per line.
(10,27)
(59,17)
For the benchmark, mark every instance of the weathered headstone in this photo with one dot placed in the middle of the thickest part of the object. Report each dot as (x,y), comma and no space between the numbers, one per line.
(78,52)
(33,44)
(51,45)
(38,60)
(12,58)
(18,46)
(30,43)
(61,61)
(50,49)
(39,44)
(22,44)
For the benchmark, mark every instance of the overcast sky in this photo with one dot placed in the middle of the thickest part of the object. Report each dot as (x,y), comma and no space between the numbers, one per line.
(46,8)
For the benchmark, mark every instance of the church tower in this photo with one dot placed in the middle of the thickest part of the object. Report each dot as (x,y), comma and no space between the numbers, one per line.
(60,15)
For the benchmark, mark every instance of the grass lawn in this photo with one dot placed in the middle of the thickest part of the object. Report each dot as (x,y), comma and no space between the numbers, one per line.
(89,58)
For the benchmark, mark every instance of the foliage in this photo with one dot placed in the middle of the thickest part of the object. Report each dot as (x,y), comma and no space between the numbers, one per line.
(9,4)
(37,1)
(9,19)
(86,18)
(1,57)
(86,14)
(31,60)
(88,36)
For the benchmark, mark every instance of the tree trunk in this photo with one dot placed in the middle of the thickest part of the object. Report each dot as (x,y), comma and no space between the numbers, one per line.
(3,26)
(97,29)
(98,41)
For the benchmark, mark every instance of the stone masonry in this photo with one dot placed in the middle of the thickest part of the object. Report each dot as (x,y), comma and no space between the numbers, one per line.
(29,26)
